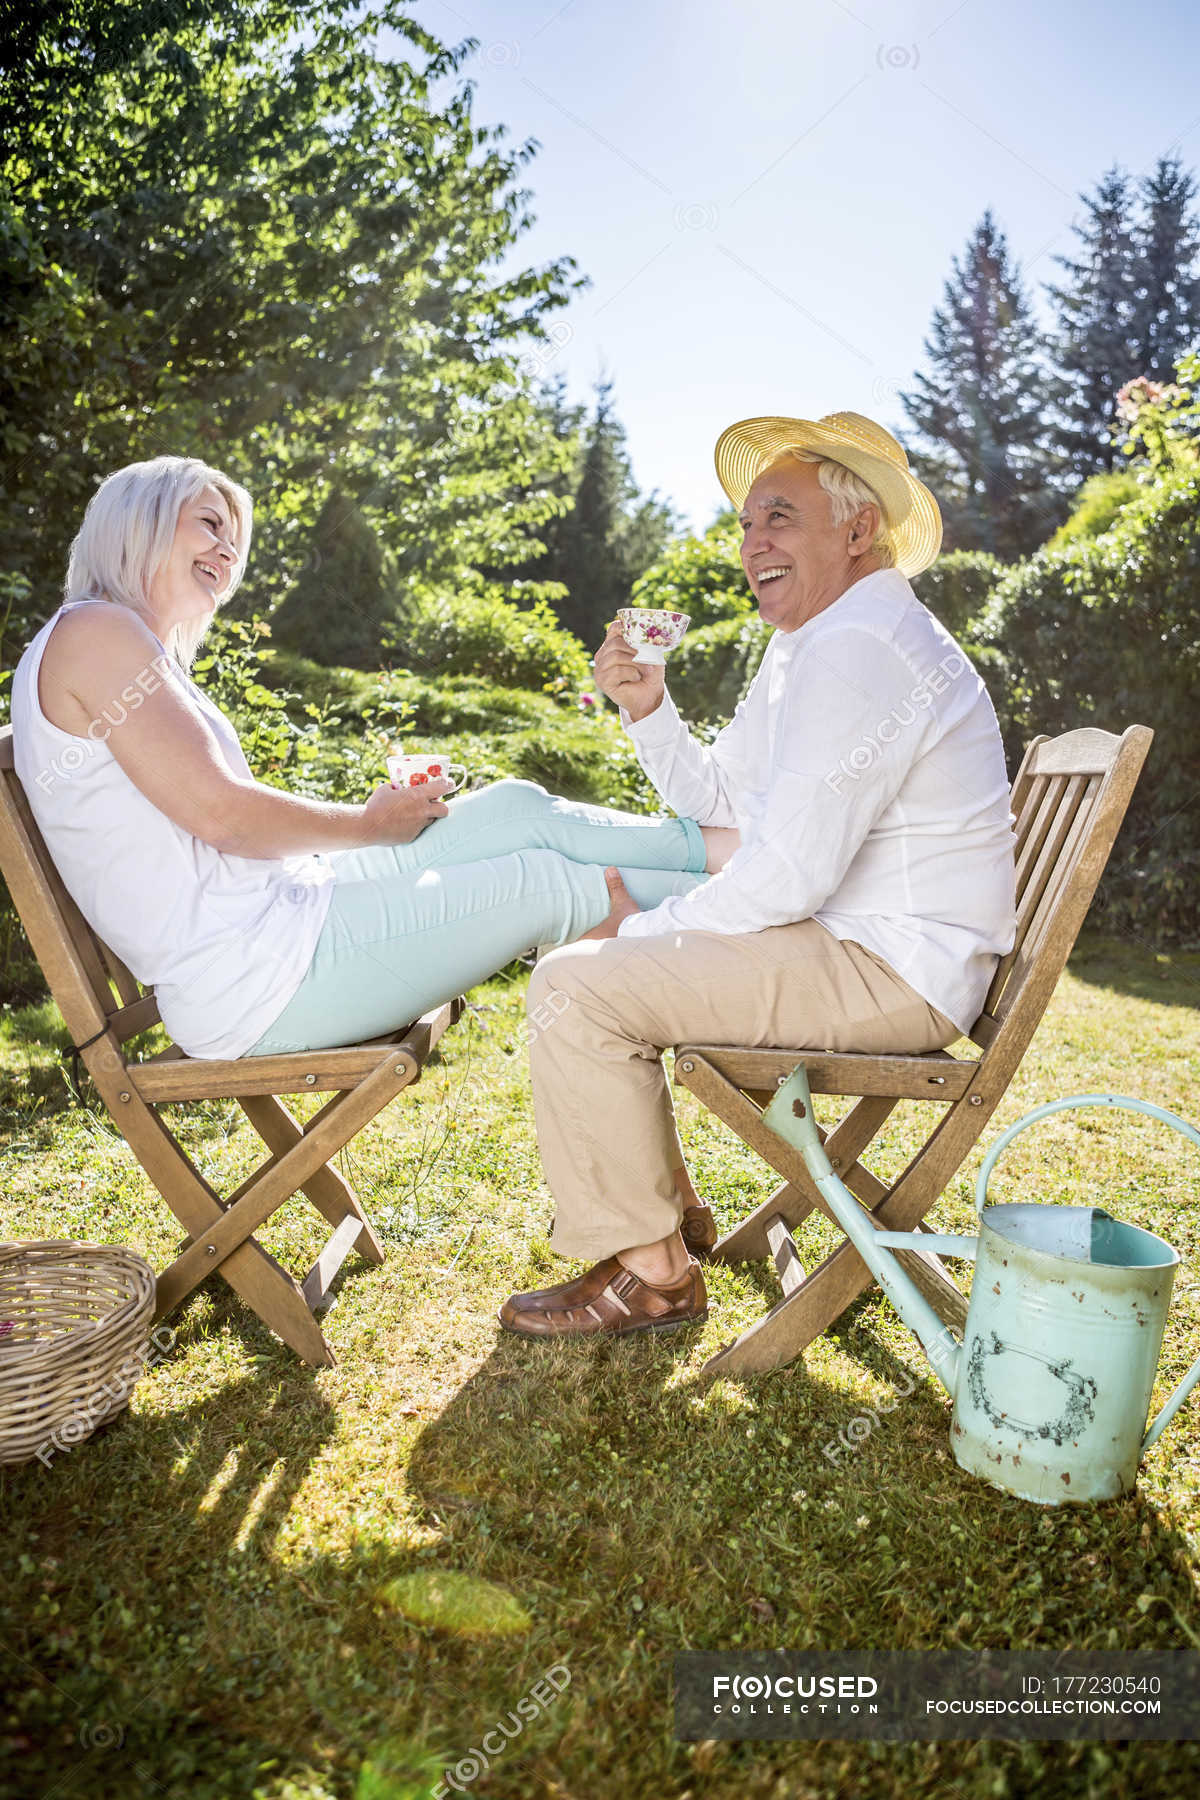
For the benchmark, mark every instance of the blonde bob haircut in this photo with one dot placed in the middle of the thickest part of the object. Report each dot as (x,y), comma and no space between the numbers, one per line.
(129,528)
(848,493)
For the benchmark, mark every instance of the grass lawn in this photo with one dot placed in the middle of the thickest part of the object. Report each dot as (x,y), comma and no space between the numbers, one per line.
(236,1588)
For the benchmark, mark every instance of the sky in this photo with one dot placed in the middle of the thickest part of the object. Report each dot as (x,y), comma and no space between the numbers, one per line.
(766,197)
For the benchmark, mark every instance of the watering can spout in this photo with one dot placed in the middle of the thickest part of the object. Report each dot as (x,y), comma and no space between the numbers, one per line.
(790,1116)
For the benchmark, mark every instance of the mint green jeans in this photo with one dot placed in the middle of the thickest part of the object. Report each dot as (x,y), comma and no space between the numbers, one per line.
(411,925)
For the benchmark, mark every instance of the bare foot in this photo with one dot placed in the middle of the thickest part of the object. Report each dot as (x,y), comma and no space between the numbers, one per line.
(623,904)
(661,1264)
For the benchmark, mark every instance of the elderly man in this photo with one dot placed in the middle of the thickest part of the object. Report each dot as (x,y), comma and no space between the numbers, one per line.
(869,891)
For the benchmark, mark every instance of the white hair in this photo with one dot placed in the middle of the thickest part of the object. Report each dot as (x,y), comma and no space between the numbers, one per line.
(129,528)
(848,494)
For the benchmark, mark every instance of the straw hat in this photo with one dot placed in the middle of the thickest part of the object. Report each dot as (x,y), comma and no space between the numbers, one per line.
(912,517)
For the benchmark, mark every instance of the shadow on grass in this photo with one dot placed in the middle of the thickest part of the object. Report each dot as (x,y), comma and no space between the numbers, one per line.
(1125,963)
(146,1539)
(647,1513)
(202,1594)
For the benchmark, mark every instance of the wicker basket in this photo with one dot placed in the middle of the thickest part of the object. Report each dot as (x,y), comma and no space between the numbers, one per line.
(74,1337)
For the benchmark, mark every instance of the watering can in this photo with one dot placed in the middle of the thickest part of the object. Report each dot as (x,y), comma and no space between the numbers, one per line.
(1052,1382)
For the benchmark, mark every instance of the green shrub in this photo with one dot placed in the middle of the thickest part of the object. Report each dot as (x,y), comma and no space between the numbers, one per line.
(701,576)
(477,631)
(1106,632)
(578,751)
(714,666)
(1097,505)
(958,586)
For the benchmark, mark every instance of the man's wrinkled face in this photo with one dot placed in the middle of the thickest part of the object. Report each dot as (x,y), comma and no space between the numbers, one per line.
(796,559)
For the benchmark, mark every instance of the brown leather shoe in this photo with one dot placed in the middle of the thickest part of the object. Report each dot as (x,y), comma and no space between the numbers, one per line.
(698,1229)
(607,1298)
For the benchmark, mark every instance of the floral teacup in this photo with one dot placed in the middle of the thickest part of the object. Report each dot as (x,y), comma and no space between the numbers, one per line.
(415,771)
(652,631)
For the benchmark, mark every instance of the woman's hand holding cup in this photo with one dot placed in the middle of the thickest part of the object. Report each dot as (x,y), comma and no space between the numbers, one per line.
(398,815)
(636,686)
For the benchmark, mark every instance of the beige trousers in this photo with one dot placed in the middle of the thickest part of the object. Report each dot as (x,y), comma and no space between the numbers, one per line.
(601,1013)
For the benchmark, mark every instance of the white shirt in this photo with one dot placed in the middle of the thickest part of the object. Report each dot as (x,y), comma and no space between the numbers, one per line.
(865,773)
(224,941)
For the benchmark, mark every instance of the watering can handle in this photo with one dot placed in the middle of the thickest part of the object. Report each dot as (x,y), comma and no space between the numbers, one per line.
(1180,1393)
(1056,1106)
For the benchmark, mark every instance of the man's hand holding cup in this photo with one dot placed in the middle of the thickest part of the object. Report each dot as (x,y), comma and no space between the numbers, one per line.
(638,687)
(629,664)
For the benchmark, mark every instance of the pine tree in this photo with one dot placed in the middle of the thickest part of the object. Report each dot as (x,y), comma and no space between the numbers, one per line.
(1094,345)
(982,407)
(610,536)
(1167,321)
(337,609)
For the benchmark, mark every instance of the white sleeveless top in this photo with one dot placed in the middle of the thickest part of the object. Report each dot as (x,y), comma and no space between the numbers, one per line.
(224,941)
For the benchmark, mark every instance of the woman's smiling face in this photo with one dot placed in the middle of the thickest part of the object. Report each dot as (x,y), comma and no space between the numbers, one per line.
(796,559)
(202,563)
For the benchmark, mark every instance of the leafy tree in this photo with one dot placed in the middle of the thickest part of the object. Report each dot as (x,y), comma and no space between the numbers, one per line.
(715,664)
(1094,345)
(1167,316)
(255,235)
(1104,631)
(700,575)
(981,407)
(1163,419)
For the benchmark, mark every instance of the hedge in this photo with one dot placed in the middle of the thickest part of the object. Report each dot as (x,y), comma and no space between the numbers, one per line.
(1106,632)
(714,666)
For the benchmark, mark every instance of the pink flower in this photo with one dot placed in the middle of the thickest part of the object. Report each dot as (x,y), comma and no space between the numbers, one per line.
(587,699)
(1140,392)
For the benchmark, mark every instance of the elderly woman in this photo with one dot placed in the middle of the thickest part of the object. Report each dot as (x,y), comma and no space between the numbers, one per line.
(263,920)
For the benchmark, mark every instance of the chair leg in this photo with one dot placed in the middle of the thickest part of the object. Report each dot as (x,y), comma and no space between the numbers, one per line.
(780,1335)
(279,1177)
(318,1283)
(328,1190)
(279,1301)
(814,1303)
(799,1317)
(747,1242)
(730,1104)
(251,1271)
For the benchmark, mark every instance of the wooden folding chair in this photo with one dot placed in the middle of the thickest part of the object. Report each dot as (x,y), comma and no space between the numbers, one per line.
(103,1007)
(1069,799)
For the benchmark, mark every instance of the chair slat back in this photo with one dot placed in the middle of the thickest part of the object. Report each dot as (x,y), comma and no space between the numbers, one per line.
(1069,798)
(80,969)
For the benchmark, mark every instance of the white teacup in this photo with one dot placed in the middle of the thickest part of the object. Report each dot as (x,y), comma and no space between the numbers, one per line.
(652,632)
(406,770)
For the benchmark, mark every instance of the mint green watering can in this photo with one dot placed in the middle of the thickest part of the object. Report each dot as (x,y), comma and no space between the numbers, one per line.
(1052,1382)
